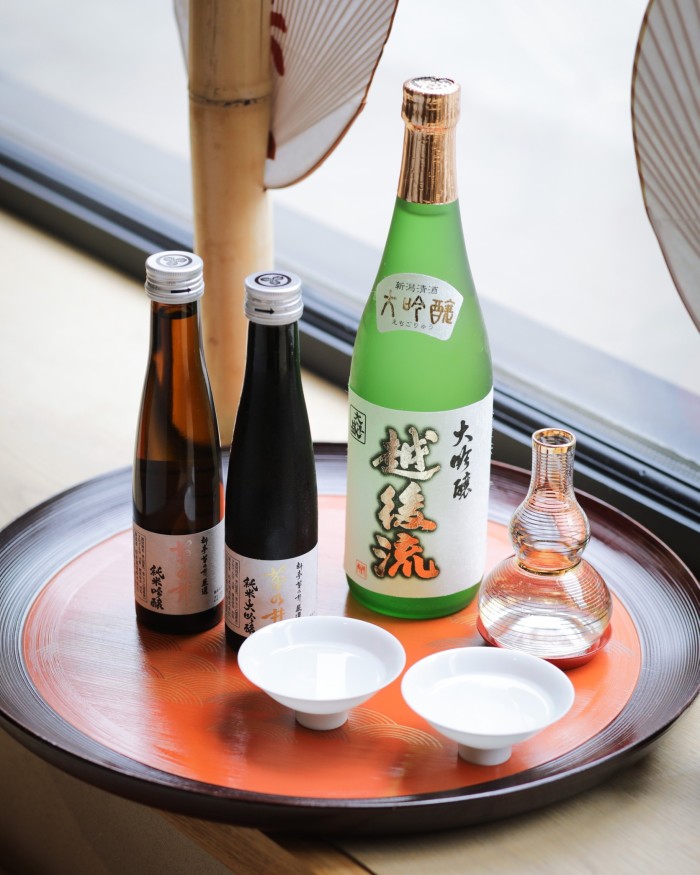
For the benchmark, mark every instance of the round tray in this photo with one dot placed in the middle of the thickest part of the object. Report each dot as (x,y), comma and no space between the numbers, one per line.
(169,721)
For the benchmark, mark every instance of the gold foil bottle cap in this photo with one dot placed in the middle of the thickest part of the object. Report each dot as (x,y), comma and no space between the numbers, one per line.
(430,102)
(430,112)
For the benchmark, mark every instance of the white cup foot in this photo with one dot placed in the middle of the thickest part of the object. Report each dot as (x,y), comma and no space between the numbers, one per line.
(321,722)
(480,757)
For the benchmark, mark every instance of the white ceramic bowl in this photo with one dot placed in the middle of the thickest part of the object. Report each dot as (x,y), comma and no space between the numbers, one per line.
(321,666)
(487,699)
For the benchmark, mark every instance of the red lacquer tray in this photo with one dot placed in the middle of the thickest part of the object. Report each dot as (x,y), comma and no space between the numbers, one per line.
(170,721)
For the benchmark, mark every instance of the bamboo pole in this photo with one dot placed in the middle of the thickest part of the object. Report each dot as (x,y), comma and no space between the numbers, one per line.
(230,95)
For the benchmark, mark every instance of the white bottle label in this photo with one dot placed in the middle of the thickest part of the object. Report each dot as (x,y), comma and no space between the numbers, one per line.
(414,302)
(179,574)
(263,591)
(417,503)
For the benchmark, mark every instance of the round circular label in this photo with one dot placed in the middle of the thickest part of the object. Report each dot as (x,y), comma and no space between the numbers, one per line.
(273,280)
(172,260)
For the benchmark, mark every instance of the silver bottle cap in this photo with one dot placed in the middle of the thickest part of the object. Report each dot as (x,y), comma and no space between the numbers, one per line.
(174,277)
(273,298)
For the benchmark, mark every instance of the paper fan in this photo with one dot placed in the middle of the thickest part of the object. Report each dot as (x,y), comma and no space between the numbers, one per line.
(666,126)
(323,57)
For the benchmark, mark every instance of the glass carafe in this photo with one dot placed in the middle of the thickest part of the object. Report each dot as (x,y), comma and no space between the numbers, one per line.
(546,599)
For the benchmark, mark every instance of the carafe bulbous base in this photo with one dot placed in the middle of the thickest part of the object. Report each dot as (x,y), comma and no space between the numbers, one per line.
(553,615)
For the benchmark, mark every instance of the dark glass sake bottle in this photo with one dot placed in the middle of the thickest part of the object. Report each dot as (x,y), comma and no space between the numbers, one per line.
(271,495)
(178,491)
(420,391)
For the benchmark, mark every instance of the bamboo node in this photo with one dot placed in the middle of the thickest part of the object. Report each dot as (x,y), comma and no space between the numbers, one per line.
(225,102)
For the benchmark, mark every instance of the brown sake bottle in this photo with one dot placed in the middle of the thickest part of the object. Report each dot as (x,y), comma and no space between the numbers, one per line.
(178,504)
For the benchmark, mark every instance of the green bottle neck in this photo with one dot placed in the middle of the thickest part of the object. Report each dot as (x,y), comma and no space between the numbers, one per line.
(447,209)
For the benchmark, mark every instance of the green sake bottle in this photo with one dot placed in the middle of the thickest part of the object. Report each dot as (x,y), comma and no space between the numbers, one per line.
(421,391)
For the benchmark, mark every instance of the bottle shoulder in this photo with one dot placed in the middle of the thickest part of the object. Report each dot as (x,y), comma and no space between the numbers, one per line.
(426,239)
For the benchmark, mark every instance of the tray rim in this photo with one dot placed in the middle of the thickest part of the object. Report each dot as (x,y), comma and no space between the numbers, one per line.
(367,816)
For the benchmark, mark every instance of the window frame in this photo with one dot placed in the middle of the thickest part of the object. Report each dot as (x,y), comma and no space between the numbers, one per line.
(657,489)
